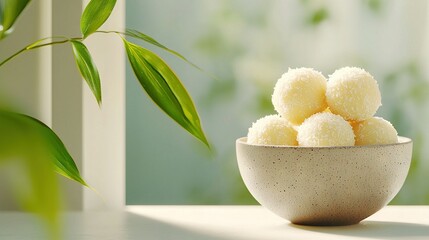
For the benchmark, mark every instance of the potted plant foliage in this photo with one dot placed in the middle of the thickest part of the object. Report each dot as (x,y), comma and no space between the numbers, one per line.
(39,150)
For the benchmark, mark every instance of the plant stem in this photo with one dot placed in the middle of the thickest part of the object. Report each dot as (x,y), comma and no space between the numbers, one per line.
(14,55)
(51,43)
(117,32)
(30,47)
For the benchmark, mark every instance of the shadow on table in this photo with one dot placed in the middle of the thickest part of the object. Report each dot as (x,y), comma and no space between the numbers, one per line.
(143,227)
(374,229)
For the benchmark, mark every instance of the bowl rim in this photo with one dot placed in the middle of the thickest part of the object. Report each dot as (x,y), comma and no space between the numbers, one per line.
(401,141)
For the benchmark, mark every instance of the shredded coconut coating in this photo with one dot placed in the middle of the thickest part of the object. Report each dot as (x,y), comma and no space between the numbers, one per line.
(299,93)
(272,130)
(353,93)
(374,130)
(325,129)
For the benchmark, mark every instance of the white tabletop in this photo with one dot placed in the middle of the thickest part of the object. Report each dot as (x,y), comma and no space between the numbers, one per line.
(214,222)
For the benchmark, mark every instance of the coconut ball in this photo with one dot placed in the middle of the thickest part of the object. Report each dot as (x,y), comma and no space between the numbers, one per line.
(353,93)
(299,93)
(325,129)
(272,130)
(375,130)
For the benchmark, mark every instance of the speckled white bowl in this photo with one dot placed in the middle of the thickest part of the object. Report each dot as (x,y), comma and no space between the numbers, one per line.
(324,185)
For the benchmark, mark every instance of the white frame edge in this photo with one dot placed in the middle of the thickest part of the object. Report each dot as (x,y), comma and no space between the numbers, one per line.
(104,126)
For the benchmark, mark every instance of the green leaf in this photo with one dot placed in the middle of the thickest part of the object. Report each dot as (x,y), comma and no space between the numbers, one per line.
(63,161)
(87,68)
(139,35)
(9,12)
(95,14)
(47,140)
(319,16)
(164,88)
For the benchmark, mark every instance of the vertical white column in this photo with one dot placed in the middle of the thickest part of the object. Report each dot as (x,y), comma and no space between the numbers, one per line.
(104,126)
(45,63)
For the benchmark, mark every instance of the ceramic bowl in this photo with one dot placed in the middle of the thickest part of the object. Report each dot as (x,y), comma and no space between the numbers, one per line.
(324,185)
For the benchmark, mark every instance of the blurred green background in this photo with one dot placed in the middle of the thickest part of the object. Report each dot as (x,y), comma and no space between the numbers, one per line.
(248,44)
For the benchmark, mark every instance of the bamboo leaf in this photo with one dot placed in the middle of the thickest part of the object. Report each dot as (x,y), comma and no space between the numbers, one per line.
(139,35)
(63,161)
(9,12)
(46,139)
(164,88)
(95,14)
(87,68)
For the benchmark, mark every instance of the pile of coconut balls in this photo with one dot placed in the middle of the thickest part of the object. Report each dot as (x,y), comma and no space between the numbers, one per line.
(315,112)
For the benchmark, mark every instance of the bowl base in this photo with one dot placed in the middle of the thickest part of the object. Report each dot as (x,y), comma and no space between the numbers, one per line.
(327,223)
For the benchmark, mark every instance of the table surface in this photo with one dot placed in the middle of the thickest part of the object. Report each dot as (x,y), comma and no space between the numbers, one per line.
(214,222)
